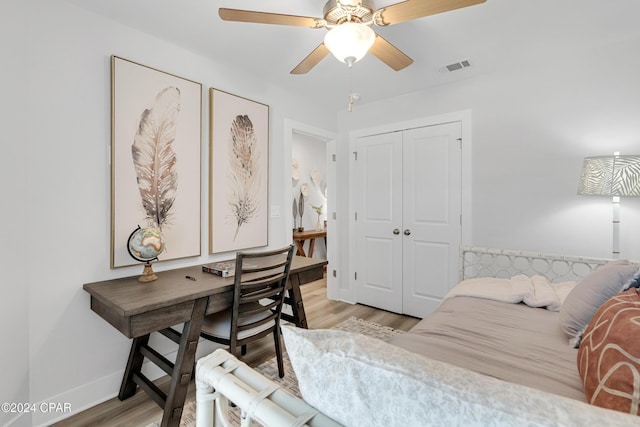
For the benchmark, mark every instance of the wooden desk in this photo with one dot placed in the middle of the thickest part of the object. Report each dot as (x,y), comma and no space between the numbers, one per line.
(138,309)
(300,236)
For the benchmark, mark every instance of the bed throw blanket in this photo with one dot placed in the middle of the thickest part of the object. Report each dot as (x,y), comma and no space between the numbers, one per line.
(535,291)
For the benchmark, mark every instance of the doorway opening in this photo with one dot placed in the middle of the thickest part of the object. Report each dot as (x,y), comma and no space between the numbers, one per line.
(309,188)
(311,154)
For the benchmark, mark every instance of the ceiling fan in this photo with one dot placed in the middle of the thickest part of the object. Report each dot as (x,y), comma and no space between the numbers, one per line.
(349,23)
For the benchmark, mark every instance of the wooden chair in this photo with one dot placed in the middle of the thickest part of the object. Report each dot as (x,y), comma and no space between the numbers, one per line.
(257,302)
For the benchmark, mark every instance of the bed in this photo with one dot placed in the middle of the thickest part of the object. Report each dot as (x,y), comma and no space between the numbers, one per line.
(503,348)
(509,341)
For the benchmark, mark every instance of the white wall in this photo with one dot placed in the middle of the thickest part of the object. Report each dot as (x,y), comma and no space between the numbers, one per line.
(531,128)
(18,256)
(55,236)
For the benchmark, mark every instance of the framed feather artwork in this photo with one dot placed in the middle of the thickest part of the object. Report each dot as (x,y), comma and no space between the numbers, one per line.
(239,173)
(156,134)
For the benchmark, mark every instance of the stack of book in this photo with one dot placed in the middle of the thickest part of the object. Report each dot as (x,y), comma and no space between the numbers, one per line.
(221,268)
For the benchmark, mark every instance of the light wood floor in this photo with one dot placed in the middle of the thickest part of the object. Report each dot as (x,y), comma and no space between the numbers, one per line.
(322,313)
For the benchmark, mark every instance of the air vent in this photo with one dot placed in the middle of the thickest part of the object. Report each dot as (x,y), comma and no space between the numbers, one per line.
(456,66)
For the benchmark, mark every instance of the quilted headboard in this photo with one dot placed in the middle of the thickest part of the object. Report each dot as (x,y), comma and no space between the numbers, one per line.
(488,262)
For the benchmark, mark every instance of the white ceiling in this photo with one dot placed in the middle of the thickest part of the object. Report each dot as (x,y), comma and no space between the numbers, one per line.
(498,34)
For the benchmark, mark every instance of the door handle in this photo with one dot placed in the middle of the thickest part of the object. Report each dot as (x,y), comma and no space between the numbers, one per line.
(396,231)
(407,232)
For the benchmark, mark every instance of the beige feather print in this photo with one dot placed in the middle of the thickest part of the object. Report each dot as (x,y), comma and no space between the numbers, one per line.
(244,172)
(154,159)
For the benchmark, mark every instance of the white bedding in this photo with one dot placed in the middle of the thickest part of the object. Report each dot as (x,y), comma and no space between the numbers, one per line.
(535,291)
(362,381)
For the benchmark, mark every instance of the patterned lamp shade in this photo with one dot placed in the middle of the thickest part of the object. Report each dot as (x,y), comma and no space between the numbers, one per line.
(610,176)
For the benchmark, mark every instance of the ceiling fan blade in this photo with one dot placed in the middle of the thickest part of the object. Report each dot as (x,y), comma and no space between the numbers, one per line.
(389,54)
(311,60)
(414,9)
(270,18)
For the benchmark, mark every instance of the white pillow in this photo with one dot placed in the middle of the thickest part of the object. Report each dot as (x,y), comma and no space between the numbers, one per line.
(363,381)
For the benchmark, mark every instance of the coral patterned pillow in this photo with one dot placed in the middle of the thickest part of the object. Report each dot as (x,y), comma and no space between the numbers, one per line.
(609,354)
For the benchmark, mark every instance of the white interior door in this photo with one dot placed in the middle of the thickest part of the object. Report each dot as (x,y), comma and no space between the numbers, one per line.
(379,249)
(408,217)
(432,202)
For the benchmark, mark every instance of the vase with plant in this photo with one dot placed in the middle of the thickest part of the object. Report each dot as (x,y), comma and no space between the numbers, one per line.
(318,210)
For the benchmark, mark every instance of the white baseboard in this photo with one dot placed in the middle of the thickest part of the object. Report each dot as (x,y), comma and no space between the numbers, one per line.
(80,398)
(100,390)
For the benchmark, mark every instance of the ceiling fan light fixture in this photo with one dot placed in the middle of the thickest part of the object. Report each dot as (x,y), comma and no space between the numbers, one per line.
(350,41)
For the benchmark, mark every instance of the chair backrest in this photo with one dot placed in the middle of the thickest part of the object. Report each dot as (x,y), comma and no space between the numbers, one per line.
(259,276)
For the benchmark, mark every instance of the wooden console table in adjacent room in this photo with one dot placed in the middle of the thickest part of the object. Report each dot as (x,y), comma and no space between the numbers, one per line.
(139,309)
(299,238)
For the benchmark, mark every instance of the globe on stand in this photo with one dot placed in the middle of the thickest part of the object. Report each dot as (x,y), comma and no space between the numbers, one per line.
(144,245)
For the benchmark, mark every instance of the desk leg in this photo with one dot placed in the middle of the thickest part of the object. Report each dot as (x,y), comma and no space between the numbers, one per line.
(182,369)
(184,365)
(134,364)
(297,306)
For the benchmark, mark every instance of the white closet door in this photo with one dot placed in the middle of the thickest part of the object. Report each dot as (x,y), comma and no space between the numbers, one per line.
(408,223)
(432,197)
(379,249)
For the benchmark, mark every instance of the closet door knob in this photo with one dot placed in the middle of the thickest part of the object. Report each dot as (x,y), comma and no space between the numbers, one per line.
(396,231)
(407,232)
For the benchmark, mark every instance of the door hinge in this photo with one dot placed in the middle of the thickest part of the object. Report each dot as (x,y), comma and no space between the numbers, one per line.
(333,157)
(355,275)
(355,216)
(459,141)
(335,274)
(460,219)
(355,155)
(333,215)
